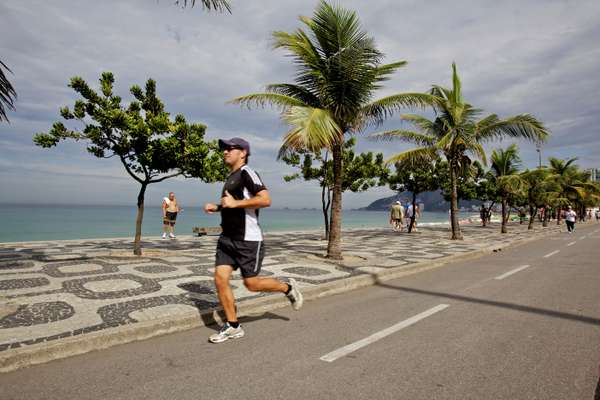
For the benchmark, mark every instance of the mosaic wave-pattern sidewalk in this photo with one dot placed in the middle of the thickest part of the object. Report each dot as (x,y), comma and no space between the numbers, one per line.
(60,289)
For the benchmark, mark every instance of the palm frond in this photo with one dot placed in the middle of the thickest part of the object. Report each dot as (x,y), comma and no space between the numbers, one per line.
(217,5)
(7,93)
(382,72)
(506,161)
(456,87)
(295,91)
(420,122)
(478,150)
(405,136)
(520,126)
(513,184)
(313,129)
(377,111)
(416,156)
(272,99)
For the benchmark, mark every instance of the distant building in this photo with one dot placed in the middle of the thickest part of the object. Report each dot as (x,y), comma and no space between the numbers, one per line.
(594,174)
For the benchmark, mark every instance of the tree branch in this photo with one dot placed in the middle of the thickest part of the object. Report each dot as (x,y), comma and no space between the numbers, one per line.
(165,177)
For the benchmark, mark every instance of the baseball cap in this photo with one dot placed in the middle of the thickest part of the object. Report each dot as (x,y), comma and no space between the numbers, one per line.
(234,142)
(398,202)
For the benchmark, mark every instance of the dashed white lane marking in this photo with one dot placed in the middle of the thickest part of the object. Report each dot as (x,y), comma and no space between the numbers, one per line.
(571,244)
(512,271)
(551,254)
(344,351)
(583,237)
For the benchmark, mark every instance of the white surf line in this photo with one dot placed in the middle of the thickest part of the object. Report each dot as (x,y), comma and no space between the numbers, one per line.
(512,271)
(551,254)
(343,351)
(571,244)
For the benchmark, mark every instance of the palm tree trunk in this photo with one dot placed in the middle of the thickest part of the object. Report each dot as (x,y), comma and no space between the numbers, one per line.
(558,215)
(488,213)
(325,203)
(334,246)
(456,233)
(532,214)
(137,243)
(504,216)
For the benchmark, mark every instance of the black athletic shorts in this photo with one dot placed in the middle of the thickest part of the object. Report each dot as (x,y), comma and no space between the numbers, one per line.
(170,218)
(243,254)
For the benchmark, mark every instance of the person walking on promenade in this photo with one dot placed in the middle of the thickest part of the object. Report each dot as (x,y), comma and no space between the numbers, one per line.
(408,215)
(397,216)
(598,215)
(170,209)
(240,245)
(417,216)
(570,217)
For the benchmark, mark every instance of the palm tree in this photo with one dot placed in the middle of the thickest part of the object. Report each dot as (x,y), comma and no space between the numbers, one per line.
(505,167)
(457,132)
(574,185)
(562,172)
(7,93)
(338,70)
(217,5)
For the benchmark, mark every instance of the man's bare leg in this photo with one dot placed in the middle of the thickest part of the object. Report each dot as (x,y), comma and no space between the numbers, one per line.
(222,277)
(256,284)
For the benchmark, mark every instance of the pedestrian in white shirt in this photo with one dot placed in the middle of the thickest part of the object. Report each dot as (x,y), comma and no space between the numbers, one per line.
(570,217)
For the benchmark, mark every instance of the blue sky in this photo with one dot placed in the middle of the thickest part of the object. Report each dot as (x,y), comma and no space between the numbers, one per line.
(538,57)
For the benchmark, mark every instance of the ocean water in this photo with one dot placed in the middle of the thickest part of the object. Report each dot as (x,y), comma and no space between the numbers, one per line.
(27,223)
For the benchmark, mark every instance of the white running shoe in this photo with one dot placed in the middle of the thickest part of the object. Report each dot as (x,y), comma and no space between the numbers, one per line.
(172,236)
(295,296)
(227,332)
(164,236)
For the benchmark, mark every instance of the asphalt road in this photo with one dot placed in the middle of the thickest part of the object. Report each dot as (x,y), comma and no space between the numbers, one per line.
(533,333)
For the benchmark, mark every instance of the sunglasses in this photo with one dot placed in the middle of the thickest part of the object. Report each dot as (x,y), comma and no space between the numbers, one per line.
(229,148)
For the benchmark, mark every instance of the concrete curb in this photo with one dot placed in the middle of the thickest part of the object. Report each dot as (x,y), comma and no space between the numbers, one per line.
(38,354)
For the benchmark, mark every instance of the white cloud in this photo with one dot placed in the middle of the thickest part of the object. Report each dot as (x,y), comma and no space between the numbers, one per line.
(529,56)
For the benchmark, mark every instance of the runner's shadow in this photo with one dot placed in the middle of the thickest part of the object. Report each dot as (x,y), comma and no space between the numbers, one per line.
(213,322)
(512,306)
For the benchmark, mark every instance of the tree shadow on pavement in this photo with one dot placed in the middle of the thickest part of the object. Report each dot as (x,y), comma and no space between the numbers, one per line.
(510,306)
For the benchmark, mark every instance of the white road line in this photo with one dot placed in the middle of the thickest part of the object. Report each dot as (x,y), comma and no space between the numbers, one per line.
(551,254)
(571,244)
(583,237)
(343,351)
(512,271)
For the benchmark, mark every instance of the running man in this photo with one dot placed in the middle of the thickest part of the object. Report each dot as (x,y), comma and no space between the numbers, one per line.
(570,217)
(240,245)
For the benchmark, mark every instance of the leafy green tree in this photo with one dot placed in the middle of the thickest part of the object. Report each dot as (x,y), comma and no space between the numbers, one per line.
(7,93)
(486,190)
(575,187)
(338,71)
(415,177)
(505,166)
(539,190)
(151,146)
(458,131)
(361,172)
